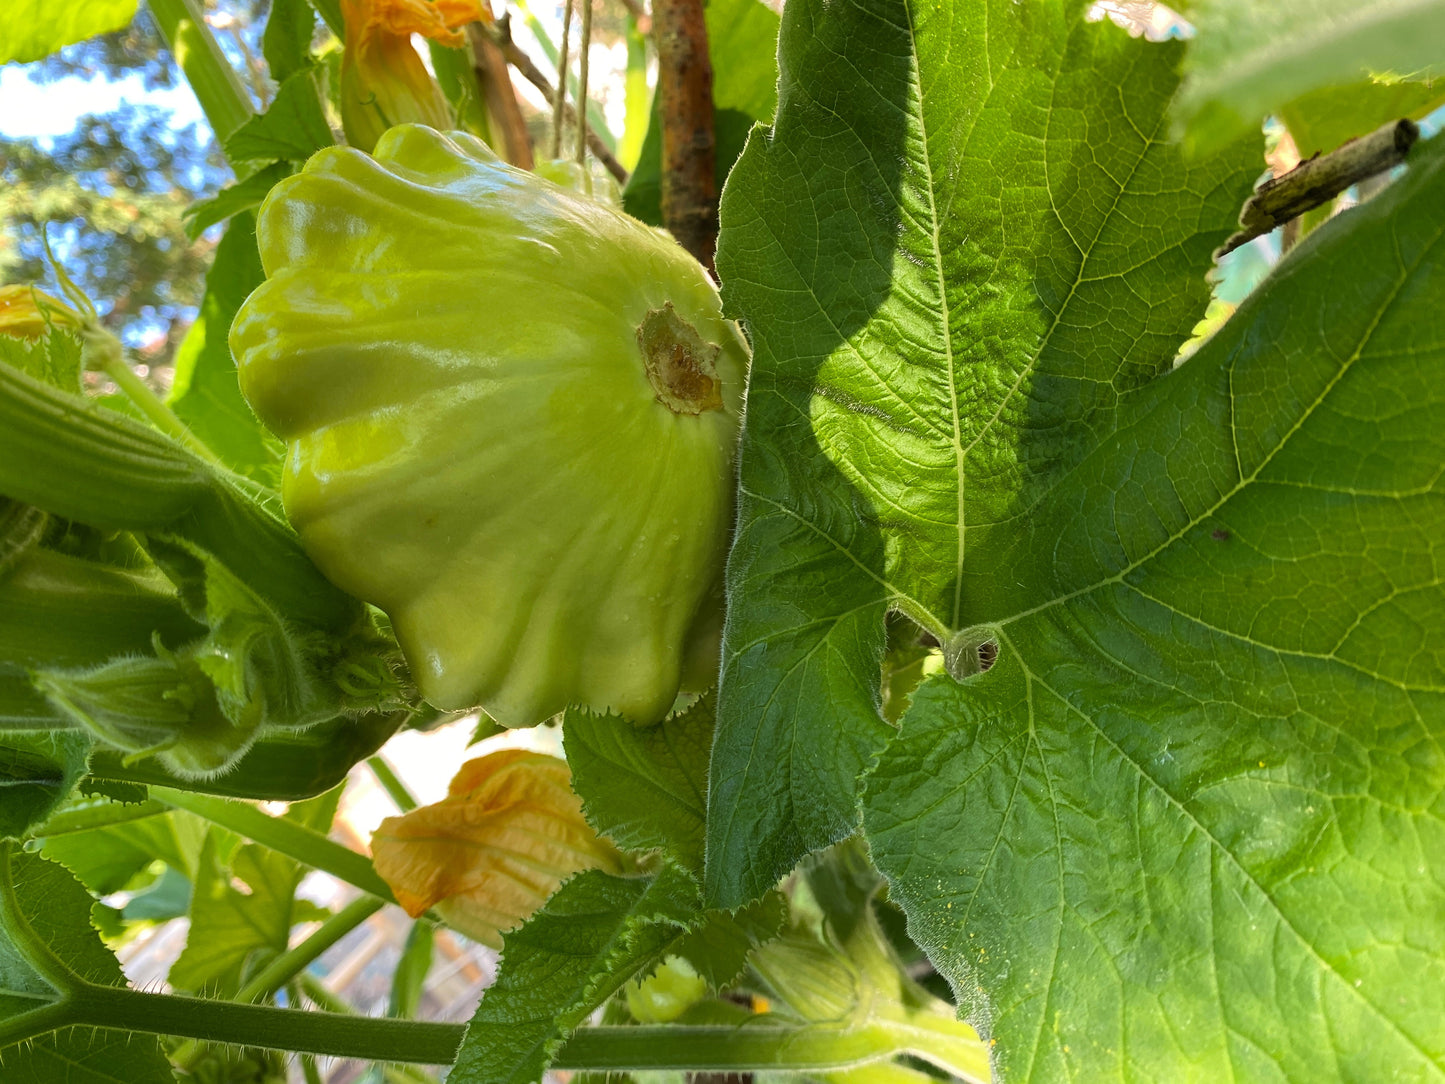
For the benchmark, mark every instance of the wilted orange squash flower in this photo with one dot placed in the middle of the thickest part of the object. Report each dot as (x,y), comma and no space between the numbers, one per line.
(383,80)
(507,835)
(21,312)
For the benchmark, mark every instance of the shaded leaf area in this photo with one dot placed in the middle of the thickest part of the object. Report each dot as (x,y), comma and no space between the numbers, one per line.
(742,44)
(206,394)
(291,129)
(38,770)
(719,946)
(286,41)
(645,788)
(597,932)
(955,251)
(234,933)
(1249,59)
(1192,824)
(108,857)
(45,916)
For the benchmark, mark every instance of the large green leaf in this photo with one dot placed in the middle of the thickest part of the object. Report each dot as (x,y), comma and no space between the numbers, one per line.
(106,857)
(644,787)
(1250,58)
(292,129)
(44,929)
(32,29)
(965,238)
(235,933)
(286,42)
(594,934)
(206,394)
(1191,825)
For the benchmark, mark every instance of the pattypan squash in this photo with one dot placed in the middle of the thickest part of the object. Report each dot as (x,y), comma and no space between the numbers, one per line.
(510,413)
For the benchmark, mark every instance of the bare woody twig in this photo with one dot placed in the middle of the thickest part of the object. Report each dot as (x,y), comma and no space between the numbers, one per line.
(684,85)
(584,50)
(501,33)
(1321,179)
(559,99)
(500,96)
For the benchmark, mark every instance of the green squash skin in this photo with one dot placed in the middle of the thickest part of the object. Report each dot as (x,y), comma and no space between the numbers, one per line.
(449,347)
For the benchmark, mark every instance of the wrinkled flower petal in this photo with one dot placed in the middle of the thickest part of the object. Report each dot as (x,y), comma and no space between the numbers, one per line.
(383,80)
(509,833)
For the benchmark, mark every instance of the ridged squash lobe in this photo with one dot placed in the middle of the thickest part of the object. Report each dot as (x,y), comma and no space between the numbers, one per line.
(510,413)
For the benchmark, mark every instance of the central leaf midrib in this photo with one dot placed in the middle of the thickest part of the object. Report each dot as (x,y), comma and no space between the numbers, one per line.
(961,452)
(945,315)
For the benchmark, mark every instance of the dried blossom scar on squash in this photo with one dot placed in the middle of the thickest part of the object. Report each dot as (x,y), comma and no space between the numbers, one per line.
(509,833)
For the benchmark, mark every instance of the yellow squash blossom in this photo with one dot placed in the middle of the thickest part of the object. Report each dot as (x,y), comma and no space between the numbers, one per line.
(24,311)
(383,80)
(509,832)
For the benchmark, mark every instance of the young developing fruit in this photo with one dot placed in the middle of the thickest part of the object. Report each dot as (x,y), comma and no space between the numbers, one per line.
(511,413)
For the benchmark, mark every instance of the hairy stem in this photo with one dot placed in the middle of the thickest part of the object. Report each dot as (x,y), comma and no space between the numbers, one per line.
(214,81)
(1318,180)
(391,783)
(560,96)
(296,841)
(584,51)
(284,967)
(333,1034)
(149,404)
(727,1049)
(384,1039)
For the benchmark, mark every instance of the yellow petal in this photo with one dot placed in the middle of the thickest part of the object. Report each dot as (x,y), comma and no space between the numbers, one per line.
(383,80)
(487,856)
(367,19)
(21,312)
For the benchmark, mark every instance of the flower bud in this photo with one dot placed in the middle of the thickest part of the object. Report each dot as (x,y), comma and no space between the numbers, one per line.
(164,706)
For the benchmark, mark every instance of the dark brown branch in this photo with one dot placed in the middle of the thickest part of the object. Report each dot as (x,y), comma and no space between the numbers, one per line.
(501,33)
(1321,179)
(500,96)
(684,85)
